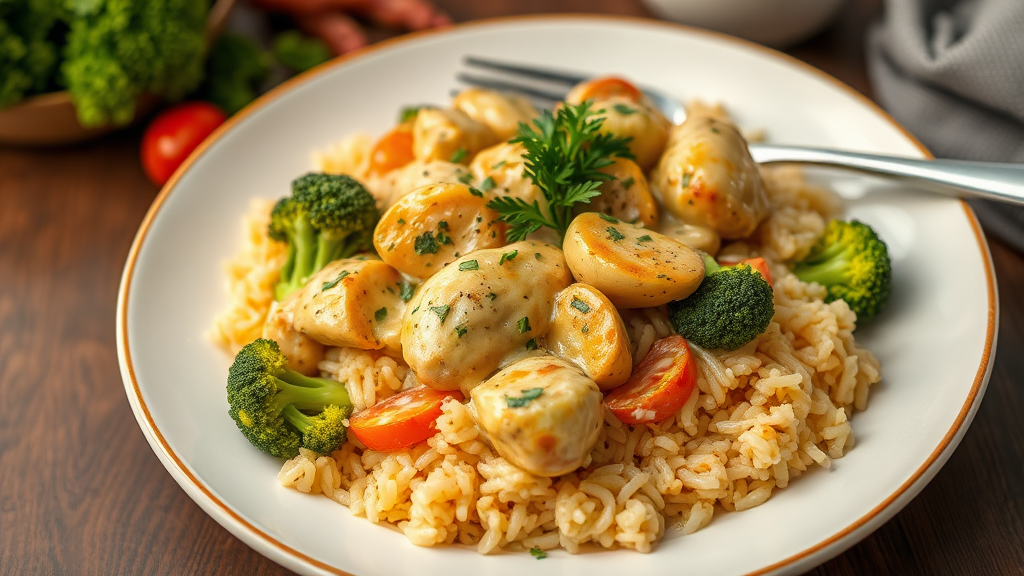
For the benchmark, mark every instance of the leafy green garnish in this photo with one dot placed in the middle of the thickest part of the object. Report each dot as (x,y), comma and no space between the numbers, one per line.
(524,325)
(461,330)
(487,185)
(608,218)
(469,265)
(614,234)
(407,290)
(564,156)
(644,238)
(538,553)
(531,344)
(624,110)
(524,397)
(466,178)
(508,256)
(381,314)
(459,155)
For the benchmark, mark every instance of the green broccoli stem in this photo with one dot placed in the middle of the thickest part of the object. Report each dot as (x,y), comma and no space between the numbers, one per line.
(331,248)
(306,393)
(710,264)
(826,272)
(293,416)
(305,242)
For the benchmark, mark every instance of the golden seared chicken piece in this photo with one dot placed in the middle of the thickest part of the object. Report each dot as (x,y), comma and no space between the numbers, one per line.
(695,236)
(449,135)
(303,353)
(354,302)
(428,229)
(587,329)
(480,310)
(626,196)
(501,112)
(541,414)
(647,126)
(392,186)
(633,266)
(707,177)
(503,164)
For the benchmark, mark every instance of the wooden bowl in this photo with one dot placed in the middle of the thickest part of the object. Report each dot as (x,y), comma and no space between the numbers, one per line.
(51,119)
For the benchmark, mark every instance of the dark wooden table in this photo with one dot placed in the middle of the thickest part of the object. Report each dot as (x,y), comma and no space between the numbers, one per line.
(81,492)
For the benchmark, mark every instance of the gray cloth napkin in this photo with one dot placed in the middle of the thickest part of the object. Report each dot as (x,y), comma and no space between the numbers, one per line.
(952,72)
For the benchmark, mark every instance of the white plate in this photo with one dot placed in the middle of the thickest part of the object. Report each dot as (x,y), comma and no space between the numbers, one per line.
(935,341)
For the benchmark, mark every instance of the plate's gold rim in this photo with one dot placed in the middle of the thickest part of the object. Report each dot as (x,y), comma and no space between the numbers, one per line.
(273,94)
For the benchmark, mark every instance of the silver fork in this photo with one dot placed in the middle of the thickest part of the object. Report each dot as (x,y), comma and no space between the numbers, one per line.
(989,180)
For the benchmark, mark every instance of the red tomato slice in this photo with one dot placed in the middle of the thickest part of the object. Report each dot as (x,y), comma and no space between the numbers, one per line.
(174,134)
(401,420)
(659,385)
(604,88)
(393,150)
(758,264)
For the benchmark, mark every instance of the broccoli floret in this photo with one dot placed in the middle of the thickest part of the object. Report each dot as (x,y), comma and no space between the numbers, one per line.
(732,306)
(235,69)
(852,262)
(326,218)
(119,49)
(30,32)
(280,410)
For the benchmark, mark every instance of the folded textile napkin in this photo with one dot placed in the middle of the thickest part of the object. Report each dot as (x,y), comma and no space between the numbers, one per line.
(952,72)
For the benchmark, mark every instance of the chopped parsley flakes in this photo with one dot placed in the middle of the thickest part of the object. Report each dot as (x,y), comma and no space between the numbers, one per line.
(531,344)
(441,311)
(333,283)
(461,330)
(425,244)
(487,184)
(469,265)
(508,256)
(524,398)
(608,218)
(381,314)
(579,305)
(459,155)
(644,238)
(407,290)
(624,110)
(614,234)
(524,325)
(538,553)
(686,180)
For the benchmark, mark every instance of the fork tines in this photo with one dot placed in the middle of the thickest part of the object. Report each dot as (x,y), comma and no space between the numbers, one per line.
(527,80)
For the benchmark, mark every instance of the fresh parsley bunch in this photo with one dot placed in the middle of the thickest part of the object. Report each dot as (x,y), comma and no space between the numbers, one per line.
(564,156)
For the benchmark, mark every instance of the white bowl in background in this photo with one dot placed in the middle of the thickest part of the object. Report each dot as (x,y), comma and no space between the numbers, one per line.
(772,22)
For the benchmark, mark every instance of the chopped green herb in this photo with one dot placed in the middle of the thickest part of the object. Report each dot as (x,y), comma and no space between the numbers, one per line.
(381,314)
(475,192)
(479,219)
(469,265)
(441,311)
(407,290)
(614,234)
(524,325)
(715,130)
(391,247)
(644,238)
(333,283)
(487,184)
(465,178)
(608,218)
(425,244)
(531,344)
(538,553)
(459,155)
(524,398)
(492,296)
(461,330)
(443,224)
(537,255)
(628,183)
(508,256)
(400,221)
(686,179)
(585,329)
(498,165)
(443,238)
(662,276)
(623,109)
(579,305)
(415,310)
(409,113)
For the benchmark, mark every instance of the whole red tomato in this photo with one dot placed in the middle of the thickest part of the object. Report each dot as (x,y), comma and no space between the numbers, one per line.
(174,134)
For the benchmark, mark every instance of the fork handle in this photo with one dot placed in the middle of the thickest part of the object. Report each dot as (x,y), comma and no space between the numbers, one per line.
(989,180)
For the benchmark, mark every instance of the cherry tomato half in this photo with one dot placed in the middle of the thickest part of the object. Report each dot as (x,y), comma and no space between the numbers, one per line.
(659,385)
(604,88)
(393,150)
(401,420)
(757,264)
(174,134)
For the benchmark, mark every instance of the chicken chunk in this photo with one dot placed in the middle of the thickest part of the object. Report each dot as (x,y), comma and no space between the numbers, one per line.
(354,302)
(449,135)
(303,353)
(541,414)
(707,177)
(501,112)
(479,311)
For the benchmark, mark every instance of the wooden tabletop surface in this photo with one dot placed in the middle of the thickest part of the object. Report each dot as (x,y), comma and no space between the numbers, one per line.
(82,493)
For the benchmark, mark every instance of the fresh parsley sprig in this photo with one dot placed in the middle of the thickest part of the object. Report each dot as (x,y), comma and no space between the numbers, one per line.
(564,156)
